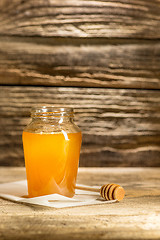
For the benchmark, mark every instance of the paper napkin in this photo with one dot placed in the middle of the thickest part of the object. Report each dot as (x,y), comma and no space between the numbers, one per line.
(16,191)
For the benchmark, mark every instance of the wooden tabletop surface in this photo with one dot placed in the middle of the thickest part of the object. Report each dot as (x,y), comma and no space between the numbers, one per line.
(136,217)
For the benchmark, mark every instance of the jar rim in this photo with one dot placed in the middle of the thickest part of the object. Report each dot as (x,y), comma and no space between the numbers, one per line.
(44,111)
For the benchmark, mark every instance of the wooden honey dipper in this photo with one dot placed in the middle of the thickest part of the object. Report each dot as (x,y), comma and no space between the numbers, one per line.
(108,191)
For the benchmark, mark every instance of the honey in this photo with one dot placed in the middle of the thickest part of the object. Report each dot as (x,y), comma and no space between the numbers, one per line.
(51,162)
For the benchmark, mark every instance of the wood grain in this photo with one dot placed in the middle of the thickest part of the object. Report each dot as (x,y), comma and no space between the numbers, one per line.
(128,219)
(85,19)
(100,57)
(115,66)
(120,127)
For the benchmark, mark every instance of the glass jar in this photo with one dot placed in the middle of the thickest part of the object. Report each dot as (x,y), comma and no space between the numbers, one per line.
(51,144)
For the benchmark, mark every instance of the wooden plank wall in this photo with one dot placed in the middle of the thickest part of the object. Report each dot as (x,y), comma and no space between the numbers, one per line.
(100,57)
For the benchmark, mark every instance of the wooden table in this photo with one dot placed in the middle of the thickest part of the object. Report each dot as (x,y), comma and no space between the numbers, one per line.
(136,217)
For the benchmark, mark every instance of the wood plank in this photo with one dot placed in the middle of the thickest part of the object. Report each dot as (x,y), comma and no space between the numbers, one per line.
(129,218)
(85,19)
(115,66)
(120,127)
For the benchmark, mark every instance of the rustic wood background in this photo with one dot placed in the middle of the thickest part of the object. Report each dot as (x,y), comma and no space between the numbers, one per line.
(100,57)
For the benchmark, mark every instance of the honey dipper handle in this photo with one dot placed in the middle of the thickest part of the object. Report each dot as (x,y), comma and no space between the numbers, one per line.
(87,188)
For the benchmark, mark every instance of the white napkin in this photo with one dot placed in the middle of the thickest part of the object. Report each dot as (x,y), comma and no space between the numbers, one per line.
(15,191)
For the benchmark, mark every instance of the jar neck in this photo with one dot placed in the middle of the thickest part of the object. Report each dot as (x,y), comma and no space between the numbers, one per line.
(52,114)
(59,120)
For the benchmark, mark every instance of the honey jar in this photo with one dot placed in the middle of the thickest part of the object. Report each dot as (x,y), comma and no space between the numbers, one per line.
(51,144)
